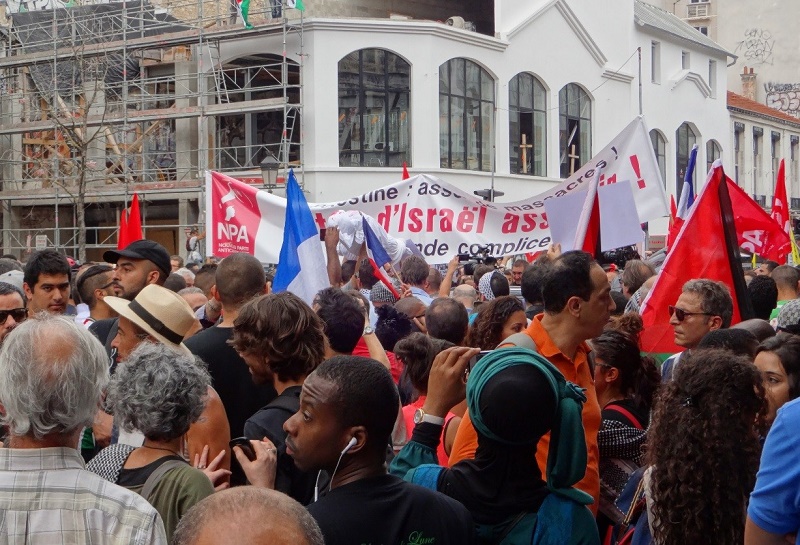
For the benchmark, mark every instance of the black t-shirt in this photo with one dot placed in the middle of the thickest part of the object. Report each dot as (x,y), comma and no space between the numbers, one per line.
(389,511)
(231,378)
(268,422)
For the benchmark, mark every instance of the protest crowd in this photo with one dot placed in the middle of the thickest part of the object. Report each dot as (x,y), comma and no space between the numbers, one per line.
(564,398)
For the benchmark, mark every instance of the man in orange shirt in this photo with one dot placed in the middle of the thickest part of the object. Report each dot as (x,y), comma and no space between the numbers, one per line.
(577,305)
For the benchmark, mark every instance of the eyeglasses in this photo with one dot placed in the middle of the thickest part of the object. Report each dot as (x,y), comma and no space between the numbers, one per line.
(19,315)
(681,314)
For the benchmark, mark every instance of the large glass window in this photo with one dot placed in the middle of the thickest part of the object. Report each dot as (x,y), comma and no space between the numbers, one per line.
(685,138)
(660,149)
(373,109)
(246,139)
(466,115)
(527,119)
(575,128)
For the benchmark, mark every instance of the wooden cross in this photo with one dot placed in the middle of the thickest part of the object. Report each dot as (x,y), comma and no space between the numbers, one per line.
(524,147)
(572,158)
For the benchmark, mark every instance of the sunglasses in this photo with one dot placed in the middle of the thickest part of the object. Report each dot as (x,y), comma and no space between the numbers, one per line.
(93,271)
(19,315)
(681,314)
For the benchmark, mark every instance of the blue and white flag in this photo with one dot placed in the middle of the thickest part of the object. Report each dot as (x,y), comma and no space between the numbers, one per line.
(302,269)
(377,255)
(687,193)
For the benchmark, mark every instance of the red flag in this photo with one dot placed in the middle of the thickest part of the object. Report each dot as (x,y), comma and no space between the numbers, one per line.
(122,234)
(134,221)
(780,213)
(706,247)
(587,236)
(757,232)
(405,171)
(675,222)
(130,224)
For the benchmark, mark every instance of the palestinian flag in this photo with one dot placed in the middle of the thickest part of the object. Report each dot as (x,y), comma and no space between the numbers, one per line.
(243,7)
(296,4)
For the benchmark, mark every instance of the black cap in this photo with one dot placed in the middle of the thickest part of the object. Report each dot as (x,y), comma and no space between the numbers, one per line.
(142,249)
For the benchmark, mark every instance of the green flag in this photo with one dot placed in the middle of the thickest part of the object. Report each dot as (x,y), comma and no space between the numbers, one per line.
(296,4)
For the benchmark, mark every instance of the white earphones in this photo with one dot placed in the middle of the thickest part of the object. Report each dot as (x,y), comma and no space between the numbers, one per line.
(350,445)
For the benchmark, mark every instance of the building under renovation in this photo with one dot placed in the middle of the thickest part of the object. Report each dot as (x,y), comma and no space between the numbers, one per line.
(103,99)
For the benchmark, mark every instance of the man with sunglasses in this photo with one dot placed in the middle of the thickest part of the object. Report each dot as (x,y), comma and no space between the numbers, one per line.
(93,285)
(703,306)
(12,309)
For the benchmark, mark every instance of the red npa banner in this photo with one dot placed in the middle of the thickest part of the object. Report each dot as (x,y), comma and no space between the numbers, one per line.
(439,218)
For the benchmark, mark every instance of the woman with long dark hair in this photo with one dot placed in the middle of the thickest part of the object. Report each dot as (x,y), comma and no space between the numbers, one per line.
(625,383)
(704,450)
(778,359)
(496,320)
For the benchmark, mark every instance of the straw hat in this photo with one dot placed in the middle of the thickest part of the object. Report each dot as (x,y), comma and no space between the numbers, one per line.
(160,312)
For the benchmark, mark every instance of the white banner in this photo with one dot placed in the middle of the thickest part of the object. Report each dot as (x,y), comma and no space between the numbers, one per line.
(439,218)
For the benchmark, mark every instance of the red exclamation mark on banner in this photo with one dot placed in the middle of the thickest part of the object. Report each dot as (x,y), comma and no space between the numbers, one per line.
(637,171)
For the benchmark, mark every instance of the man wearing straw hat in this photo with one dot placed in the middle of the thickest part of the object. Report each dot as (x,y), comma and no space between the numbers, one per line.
(162,316)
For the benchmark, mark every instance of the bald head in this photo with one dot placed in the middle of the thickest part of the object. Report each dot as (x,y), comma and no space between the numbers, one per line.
(410,306)
(247,514)
(465,294)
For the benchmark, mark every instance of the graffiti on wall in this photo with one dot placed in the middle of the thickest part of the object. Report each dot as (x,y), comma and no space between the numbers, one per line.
(756,48)
(784,97)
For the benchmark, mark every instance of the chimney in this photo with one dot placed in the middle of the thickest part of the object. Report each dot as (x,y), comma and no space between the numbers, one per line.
(749,83)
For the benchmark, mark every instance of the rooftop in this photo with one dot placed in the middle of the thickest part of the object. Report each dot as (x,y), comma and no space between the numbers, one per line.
(746,105)
(656,18)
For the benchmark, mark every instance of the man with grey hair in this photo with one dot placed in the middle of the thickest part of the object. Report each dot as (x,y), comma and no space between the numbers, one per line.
(634,275)
(187,275)
(248,515)
(704,305)
(52,375)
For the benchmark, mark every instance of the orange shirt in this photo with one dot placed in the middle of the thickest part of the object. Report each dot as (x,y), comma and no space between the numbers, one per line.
(576,371)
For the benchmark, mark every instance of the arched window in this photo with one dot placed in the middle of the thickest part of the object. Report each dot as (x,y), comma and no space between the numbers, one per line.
(466,114)
(713,152)
(373,109)
(685,138)
(246,139)
(660,149)
(575,128)
(527,115)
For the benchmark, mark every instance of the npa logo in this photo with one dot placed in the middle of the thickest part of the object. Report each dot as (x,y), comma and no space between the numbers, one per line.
(233,232)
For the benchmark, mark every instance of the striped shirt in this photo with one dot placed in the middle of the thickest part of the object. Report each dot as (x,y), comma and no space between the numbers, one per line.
(47,496)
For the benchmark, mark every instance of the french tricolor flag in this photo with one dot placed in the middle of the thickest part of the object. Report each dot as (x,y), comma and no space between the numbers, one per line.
(302,269)
(377,256)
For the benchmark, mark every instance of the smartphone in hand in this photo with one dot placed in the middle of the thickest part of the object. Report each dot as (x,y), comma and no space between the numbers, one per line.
(244,444)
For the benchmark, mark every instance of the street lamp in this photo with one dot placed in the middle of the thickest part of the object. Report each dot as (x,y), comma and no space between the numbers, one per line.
(269,171)
(488,194)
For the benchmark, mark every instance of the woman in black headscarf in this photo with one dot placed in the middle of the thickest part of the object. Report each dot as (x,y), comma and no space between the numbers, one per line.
(514,397)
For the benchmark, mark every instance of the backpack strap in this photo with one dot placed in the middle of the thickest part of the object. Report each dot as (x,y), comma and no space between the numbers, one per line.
(626,413)
(155,476)
(520,340)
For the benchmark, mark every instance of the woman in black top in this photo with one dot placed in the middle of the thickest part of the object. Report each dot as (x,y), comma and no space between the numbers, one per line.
(625,383)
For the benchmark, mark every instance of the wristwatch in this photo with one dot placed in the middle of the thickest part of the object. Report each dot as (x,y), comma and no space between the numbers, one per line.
(422,416)
(368,330)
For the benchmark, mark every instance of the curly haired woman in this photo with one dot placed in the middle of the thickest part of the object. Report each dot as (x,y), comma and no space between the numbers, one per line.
(496,320)
(704,450)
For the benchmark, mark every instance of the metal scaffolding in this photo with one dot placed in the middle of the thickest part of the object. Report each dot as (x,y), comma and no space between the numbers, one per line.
(103,99)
